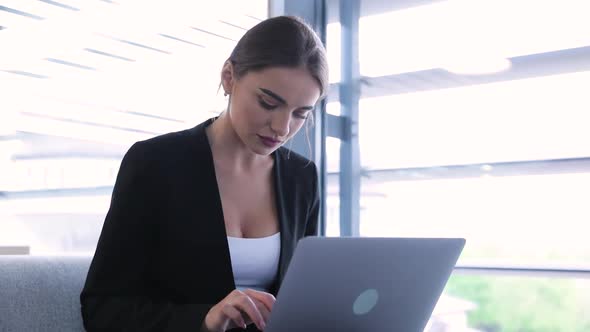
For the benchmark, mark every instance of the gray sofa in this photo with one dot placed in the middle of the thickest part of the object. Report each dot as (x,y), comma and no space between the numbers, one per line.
(41,293)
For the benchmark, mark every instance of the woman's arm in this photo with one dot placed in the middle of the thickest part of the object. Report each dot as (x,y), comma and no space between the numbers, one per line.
(116,296)
(140,313)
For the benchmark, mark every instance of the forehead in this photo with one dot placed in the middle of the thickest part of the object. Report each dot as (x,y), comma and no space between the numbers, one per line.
(295,85)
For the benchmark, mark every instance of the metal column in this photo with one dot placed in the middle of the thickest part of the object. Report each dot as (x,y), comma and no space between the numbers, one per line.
(349,89)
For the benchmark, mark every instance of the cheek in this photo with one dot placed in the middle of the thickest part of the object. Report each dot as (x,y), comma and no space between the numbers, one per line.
(253,111)
(257,117)
(247,115)
(295,126)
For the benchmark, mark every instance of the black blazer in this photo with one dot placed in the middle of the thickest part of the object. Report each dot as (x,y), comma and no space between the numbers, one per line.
(162,259)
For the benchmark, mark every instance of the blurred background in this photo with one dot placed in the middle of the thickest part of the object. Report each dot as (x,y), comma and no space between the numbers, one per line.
(467,118)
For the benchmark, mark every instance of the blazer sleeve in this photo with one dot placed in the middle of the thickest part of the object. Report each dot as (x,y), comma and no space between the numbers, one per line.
(311,227)
(116,294)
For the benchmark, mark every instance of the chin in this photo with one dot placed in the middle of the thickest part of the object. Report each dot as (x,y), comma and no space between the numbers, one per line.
(263,151)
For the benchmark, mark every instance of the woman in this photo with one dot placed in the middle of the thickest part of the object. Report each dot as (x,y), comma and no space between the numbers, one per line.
(203,222)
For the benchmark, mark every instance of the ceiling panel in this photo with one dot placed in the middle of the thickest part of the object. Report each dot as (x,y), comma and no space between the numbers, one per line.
(115,72)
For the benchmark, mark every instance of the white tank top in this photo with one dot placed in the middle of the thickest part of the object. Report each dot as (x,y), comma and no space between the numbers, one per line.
(255,261)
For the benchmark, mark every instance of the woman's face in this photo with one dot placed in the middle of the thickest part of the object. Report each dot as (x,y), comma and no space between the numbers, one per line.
(269,106)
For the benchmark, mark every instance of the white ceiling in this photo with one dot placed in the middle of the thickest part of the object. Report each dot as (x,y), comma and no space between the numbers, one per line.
(114,72)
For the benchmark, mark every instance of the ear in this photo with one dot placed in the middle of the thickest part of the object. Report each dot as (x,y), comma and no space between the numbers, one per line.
(227,77)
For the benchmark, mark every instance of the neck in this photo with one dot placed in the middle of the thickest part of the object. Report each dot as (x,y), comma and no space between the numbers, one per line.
(228,148)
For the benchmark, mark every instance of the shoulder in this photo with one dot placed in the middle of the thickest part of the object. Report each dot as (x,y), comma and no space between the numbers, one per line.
(171,146)
(152,155)
(297,172)
(164,143)
(296,163)
(174,152)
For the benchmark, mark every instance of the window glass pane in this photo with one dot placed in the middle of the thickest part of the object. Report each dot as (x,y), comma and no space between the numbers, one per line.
(434,35)
(509,220)
(536,118)
(513,304)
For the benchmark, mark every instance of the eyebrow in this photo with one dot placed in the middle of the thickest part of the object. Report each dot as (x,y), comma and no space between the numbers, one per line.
(281,99)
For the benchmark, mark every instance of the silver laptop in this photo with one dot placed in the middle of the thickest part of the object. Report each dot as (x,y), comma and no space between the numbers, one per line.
(349,284)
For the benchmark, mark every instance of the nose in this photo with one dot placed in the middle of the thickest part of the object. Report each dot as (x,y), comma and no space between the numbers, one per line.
(280,122)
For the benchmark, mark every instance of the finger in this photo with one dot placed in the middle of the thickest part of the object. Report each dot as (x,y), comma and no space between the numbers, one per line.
(263,310)
(234,315)
(266,298)
(247,306)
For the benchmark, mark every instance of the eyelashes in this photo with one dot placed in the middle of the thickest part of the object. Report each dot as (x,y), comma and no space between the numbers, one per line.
(301,116)
(266,105)
(271,107)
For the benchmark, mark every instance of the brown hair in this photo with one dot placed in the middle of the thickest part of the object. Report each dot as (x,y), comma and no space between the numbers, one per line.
(283,41)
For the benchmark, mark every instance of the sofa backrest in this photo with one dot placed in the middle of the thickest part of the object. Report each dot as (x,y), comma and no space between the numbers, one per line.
(41,293)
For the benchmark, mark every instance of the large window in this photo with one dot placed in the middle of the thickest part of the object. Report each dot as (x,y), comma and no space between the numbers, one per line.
(83,80)
(473,123)
(495,163)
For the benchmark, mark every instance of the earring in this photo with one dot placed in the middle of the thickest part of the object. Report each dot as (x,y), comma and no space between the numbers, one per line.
(225,94)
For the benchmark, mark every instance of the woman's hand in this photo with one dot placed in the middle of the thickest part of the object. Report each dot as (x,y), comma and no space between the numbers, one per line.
(239,309)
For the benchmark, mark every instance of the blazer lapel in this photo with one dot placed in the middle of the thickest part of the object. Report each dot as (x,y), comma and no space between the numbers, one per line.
(201,143)
(285,223)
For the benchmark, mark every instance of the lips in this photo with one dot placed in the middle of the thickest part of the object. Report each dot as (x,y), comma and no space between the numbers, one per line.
(269,141)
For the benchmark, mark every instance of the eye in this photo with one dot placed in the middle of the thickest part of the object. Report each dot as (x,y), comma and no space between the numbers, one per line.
(301,115)
(265,104)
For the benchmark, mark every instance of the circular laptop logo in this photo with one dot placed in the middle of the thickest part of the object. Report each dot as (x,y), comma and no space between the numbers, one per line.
(365,302)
